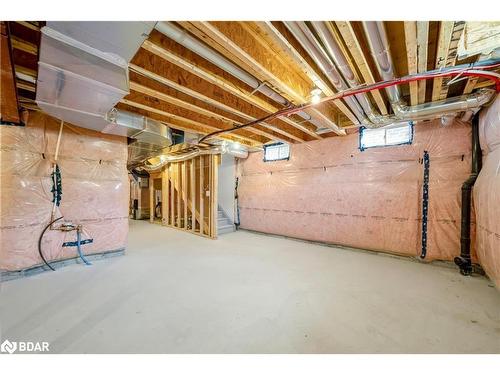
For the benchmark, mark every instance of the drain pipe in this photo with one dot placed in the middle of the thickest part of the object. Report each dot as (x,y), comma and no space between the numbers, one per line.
(464,261)
(183,38)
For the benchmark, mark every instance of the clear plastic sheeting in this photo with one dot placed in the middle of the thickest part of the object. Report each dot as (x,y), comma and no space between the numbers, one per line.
(332,192)
(95,191)
(487,193)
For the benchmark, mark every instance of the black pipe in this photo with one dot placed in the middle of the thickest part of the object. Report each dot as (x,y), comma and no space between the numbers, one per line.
(464,261)
(40,242)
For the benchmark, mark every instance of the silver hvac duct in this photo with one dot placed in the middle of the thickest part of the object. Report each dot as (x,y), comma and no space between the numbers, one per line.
(379,47)
(165,159)
(183,38)
(314,49)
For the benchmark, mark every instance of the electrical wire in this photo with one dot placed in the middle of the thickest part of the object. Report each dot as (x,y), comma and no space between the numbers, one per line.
(466,70)
(40,242)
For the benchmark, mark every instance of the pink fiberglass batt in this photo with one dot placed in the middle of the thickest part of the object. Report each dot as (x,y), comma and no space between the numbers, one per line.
(95,191)
(487,193)
(332,192)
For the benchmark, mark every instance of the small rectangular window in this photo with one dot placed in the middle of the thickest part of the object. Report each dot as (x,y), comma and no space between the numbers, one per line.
(276,151)
(400,134)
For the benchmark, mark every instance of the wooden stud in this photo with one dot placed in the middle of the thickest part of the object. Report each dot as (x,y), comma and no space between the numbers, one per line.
(9,110)
(151,200)
(184,192)
(202,194)
(172,194)
(192,191)
(422,44)
(179,193)
(164,196)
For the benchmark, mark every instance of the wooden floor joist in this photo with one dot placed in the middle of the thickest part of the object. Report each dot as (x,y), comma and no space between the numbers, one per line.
(354,48)
(422,56)
(177,122)
(214,99)
(449,36)
(226,85)
(186,60)
(219,40)
(412,57)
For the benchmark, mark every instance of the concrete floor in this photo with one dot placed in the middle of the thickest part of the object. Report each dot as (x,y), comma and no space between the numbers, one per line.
(247,293)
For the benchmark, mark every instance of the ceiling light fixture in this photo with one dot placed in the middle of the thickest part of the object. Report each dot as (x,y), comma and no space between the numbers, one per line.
(315,96)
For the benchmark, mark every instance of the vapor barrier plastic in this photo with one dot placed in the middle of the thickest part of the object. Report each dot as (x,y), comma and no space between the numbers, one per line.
(95,191)
(487,193)
(330,191)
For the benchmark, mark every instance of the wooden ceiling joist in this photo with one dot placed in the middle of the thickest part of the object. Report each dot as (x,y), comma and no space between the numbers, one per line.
(422,56)
(23,45)
(193,85)
(449,36)
(177,122)
(258,61)
(352,43)
(412,56)
(201,110)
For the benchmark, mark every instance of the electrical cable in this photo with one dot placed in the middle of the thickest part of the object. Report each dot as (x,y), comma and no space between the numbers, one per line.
(466,70)
(40,242)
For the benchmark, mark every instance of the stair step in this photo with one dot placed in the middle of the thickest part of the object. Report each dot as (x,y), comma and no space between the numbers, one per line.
(225,229)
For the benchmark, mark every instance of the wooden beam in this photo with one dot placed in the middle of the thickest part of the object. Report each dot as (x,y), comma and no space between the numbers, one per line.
(202,194)
(179,193)
(185,192)
(352,43)
(29,25)
(212,101)
(172,194)
(449,36)
(196,108)
(29,72)
(165,196)
(181,60)
(188,125)
(189,116)
(422,44)
(193,197)
(410,28)
(258,59)
(23,45)
(9,110)
(151,200)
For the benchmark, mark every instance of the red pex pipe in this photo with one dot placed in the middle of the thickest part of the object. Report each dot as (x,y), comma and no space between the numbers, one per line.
(467,72)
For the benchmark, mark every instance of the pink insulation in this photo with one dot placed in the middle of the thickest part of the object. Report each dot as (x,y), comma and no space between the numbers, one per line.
(487,193)
(95,191)
(330,191)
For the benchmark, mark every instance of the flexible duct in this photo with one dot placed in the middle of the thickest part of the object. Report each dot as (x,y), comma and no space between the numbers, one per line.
(165,159)
(183,38)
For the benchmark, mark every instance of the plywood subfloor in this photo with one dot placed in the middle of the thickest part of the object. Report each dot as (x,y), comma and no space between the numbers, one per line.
(174,292)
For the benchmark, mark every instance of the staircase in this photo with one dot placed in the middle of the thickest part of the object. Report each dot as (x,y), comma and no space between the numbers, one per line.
(224,224)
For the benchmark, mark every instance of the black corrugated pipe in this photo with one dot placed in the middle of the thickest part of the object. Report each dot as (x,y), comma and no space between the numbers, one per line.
(464,261)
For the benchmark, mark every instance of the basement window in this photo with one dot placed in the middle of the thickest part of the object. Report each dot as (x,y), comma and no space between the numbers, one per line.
(276,151)
(394,135)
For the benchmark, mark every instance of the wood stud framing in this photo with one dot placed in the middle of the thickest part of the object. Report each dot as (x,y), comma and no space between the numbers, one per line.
(189,195)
